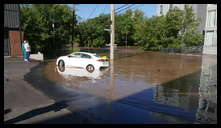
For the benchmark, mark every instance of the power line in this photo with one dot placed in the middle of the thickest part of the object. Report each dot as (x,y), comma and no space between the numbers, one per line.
(121,7)
(135,7)
(104,8)
(124,9)
(92,12)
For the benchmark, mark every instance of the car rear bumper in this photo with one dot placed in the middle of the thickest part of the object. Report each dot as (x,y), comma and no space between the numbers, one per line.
(102,65)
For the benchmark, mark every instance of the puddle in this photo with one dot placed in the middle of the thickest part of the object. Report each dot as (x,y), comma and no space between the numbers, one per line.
(166,84)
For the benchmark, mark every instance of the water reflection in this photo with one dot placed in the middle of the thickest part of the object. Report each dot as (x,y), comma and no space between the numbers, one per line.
(207,111)
(196,92)
(157,68)
(170,86)
(112,81)
(131,74)
(72,74)
(182,92)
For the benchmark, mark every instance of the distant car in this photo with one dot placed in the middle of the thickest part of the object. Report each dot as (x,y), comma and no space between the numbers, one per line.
(89,61)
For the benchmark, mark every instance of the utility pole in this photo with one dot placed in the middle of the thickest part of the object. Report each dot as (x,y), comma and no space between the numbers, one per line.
(73,29)
(112,33)
(112,84)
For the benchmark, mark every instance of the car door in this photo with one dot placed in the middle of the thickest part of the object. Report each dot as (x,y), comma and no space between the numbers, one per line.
(85,60)
(74,60)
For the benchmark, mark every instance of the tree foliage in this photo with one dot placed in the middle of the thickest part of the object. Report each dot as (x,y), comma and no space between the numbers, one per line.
(176,29)
(47,26)
(91,32)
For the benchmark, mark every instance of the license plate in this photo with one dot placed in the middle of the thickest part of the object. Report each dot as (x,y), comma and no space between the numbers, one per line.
(106,63)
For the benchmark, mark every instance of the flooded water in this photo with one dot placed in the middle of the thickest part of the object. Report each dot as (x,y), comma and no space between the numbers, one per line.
(175,88)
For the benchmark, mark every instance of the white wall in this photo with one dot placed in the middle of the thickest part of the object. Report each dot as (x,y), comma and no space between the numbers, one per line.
(210,39)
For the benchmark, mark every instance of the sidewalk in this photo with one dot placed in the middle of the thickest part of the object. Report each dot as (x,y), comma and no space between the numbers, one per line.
(20,97)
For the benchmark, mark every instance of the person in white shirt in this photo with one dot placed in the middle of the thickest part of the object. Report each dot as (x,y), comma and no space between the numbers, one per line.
(27,50)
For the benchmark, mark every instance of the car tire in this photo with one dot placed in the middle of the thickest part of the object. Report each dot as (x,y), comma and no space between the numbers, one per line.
(90,68)
(61,69)
(61,65)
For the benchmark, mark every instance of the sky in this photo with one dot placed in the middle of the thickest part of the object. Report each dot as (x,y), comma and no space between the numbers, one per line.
(87,11)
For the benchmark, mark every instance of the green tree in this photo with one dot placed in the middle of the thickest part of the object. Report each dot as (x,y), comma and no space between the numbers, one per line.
(48,27)
(189,34)
(177,29)
(149,33)
(91,32)
(125,26)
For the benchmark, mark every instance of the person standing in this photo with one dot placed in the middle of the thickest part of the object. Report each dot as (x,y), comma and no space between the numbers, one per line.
(23,50)
(27,50)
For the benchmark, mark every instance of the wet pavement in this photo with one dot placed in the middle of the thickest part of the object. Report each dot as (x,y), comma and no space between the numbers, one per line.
(141,87)
(22,102)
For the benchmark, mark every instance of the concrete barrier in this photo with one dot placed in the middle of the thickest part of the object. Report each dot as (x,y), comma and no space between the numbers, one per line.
(39,56)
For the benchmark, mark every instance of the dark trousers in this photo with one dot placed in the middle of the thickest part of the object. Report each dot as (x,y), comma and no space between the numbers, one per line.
(27,55)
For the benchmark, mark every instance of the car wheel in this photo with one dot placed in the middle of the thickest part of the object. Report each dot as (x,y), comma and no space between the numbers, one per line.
(90,68)
(61,65)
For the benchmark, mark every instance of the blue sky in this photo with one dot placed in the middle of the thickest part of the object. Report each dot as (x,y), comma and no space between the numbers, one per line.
(85,10)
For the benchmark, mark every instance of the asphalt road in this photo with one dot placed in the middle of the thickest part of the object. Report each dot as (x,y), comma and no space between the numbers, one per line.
(22,102)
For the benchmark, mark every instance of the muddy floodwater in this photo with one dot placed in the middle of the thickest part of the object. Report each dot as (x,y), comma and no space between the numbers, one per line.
(168,85)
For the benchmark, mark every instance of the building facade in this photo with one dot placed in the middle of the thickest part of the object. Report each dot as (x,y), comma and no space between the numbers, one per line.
(198,9)
(207,110)
(210,40)
(12,33)
(207,13)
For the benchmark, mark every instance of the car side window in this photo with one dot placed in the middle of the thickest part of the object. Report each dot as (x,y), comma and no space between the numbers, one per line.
(77,55)
(85,56)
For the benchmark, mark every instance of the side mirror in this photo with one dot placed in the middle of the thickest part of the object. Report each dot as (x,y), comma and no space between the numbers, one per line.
(69,56)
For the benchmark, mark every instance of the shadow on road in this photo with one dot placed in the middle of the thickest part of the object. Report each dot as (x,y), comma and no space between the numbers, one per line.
(54,107)
(6,111)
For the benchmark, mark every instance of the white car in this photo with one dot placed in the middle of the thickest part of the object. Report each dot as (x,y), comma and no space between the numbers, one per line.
(88,61)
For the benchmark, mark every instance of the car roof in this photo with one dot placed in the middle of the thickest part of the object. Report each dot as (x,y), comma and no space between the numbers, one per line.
(85,53)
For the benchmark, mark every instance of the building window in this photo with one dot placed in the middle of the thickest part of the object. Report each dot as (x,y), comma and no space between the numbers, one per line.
(161,9)
(211,21)
(210,40)
(215,39)
(212,5)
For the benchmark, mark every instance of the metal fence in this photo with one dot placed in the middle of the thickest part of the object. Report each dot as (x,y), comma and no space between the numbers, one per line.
(187,50)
